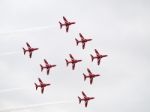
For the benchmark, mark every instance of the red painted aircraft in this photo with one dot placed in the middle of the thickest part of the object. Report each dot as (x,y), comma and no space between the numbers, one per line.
(90,76)
(85,99)
(98,57)
(73,61)
(66,24)
(83,40)
(30,49)
(47,66)
(42,85)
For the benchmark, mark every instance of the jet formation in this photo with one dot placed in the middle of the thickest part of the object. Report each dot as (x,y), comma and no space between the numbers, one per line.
(83,41)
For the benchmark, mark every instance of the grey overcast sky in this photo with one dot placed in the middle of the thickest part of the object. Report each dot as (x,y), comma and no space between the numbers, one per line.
(119,28)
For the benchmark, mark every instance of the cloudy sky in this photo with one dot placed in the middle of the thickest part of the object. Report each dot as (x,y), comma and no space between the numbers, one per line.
(119,28)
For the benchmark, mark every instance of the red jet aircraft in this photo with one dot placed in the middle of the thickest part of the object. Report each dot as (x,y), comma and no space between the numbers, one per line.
(83,40)
(91,75)
(66,24)
(98,57)
(47,66)
(73,61)
(30,49)
(85,99)
(42,85)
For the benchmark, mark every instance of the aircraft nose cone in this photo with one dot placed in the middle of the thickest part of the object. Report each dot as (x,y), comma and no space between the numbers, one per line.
(93,98)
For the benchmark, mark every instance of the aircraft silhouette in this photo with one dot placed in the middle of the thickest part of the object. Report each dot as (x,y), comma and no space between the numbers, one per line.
(90,76)
(66,24)
(47,66)
(85,99)
(30,49)
(42,85)
(73,61)
(98,56)
(82,41)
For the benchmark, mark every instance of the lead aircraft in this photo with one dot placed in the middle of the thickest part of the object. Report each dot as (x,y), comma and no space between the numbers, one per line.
(66,24)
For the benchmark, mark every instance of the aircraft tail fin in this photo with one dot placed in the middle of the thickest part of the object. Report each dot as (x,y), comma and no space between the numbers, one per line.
(24,51)
(92,57)
(77,42)
(41,67)
(60,24)
(36,86)
(79,99)
(84,76)
(67,62)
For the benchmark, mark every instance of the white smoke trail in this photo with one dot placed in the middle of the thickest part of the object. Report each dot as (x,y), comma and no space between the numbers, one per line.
(9,53)
(28,29)
(9,90)
(34,106)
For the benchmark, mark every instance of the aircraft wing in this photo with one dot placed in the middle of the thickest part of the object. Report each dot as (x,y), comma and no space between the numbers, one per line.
(48,71)
(28,45)
(81,36)
(91,80)
(97,53)
(84,94)
(98,61)
(83,45)
(89,71)
(30,54)
(42,90)
(73,66)
(72,58)
(67,28)
(65,19)
(45,61)
(40,81)
(86,103)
